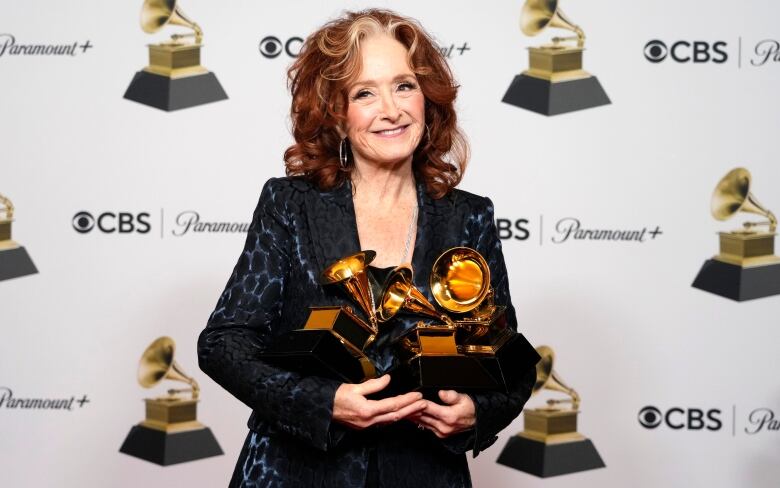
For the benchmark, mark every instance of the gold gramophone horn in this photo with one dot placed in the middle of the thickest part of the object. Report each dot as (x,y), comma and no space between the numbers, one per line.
(538,15)
(399,293)
(732,195)
(7,207)
(548,379)
(157,364)
(460,279)
(157,13)
(350,272)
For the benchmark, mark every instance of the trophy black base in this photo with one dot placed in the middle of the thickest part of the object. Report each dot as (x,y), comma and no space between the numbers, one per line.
(315,352)
(738,283)
(545,460)
(174,93)
(165,448)
(15,263)
(511,361)
(547,98)
(429,374)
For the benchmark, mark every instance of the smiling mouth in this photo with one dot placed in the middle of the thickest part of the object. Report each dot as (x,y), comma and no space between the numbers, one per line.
(391,132)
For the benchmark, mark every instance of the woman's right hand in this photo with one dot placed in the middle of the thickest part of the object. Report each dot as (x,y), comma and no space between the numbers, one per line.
(353,409)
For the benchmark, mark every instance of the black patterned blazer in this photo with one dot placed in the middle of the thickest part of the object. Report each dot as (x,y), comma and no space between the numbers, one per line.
(296,231)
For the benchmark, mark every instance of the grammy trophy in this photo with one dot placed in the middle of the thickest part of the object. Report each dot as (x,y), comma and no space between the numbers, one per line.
(174,78)
(550,445)
(14,260)
(555,82)
(746,267)
(171,433)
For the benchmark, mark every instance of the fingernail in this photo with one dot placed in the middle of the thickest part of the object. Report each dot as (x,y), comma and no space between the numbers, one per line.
(419,396)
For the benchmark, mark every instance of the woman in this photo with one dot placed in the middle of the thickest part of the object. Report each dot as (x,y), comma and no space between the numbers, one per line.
(376,159)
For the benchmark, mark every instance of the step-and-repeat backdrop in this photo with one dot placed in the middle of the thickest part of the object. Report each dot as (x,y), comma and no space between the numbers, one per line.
(122,219)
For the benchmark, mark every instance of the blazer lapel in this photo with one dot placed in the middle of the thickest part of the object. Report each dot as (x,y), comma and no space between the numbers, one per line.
(436,232)
(331,218)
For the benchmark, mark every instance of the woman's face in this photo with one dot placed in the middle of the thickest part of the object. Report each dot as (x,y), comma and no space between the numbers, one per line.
(386,111)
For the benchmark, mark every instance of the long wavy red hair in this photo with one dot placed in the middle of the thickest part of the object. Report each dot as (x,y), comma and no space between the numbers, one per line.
(329,61)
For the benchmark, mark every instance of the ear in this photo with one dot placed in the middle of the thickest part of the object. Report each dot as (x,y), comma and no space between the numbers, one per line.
(342,133)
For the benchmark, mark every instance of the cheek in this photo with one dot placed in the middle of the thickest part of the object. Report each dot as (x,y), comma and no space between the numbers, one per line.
(358,118)
(416,107)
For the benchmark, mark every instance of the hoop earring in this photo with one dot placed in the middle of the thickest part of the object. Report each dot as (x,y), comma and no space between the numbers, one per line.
(428,131)
(344,153)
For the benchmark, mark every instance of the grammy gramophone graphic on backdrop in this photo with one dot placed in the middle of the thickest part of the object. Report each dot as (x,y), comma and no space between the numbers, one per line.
(14,260)
(549,444)
(174,78)
(555,82)
(170,434)
(746,266)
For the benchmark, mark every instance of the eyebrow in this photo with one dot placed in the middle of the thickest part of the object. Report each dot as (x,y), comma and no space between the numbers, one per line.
(373,82)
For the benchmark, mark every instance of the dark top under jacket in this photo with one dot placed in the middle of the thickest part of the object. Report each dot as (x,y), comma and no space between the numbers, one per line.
(296,231)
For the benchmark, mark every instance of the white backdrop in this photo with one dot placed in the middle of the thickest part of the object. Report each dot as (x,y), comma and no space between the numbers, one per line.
(627,328)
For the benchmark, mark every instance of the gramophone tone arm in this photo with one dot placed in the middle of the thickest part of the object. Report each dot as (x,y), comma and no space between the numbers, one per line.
(198,34)
(771,223)
(580,38)
(194,388)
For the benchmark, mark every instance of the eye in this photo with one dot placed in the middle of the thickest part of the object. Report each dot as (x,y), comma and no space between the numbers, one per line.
(406,86)
(361,94)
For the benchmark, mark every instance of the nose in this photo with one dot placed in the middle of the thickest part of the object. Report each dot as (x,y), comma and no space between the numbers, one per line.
(390,107)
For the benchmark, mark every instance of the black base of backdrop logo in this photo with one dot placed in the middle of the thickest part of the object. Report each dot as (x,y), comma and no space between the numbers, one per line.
(546,98)
(174,93)
(15,263)
(544,460)
(736,282)
(166,448)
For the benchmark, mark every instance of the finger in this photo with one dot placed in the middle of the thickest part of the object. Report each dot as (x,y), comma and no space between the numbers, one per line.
(441,412)
(373,385)
(450,397)
(399,414)
(428,424)
(395,403)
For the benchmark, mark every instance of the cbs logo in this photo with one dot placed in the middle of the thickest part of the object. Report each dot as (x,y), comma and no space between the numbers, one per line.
(513,229)
(684,51)
(271,46)
(681,418)
(110,222)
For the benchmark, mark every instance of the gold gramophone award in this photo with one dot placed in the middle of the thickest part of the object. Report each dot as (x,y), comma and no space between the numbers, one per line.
(174,78)
(555,82)
(550,445)
(171,433)
(14,260)
(332,340)
(746,267)
(470,347)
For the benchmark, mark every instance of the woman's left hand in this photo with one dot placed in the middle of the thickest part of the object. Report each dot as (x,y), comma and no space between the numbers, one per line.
(456,415)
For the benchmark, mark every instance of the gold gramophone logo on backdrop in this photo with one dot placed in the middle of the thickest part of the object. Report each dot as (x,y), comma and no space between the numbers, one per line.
(746,266)
(549,444)
(14,260)
(555,82)
(174,78)
(171,433)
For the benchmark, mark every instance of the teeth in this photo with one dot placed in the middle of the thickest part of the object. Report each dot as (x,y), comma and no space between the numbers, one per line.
(391,132)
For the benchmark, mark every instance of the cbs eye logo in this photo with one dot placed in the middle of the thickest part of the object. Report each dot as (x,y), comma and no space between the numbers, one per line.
(271,47)
(685,51)
(110,222)
(677,418)
(650,417)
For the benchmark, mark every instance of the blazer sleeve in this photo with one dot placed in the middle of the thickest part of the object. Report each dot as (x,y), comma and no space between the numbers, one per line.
(241,327)
(494,410)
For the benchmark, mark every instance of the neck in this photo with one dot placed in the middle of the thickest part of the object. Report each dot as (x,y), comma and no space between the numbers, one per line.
(383,184)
